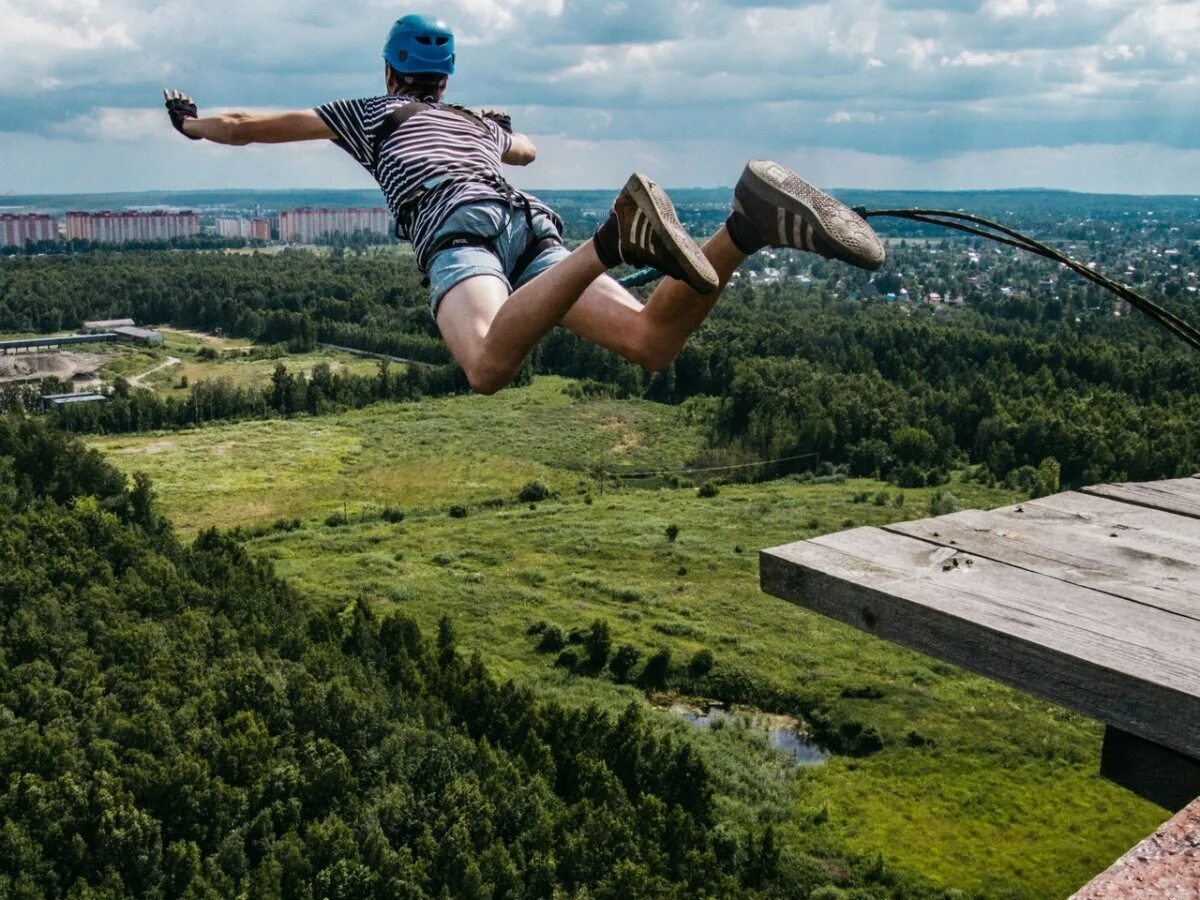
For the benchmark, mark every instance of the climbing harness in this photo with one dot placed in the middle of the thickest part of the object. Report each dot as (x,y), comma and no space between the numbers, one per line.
(1001,234)
(394,121)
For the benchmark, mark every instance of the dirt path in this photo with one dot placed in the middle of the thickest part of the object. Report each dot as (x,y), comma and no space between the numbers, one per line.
(136,380)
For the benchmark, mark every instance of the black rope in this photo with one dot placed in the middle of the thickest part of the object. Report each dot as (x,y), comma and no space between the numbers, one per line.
(1001,234)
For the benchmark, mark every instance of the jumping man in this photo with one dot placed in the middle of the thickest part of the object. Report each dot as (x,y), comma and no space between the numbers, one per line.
(499,274)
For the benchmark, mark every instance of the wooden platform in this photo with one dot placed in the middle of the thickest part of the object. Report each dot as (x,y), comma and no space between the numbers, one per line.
(1090,600)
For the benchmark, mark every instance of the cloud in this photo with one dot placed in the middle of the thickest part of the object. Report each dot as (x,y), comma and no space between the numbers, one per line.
(912,81)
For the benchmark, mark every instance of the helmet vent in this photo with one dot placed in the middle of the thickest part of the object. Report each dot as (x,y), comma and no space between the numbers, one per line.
(441,42)
(424,39)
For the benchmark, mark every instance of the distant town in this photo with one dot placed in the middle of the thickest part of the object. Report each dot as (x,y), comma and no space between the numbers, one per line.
(298,226)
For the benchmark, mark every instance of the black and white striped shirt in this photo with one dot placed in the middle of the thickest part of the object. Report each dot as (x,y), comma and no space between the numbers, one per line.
(437,162)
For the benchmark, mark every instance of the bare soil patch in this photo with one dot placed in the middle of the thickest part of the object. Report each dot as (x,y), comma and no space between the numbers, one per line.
(65,365)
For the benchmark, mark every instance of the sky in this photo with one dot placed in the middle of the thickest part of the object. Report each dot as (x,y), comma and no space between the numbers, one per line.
(1089,95)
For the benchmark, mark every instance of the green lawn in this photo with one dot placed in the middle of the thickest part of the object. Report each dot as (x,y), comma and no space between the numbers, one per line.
(978,787)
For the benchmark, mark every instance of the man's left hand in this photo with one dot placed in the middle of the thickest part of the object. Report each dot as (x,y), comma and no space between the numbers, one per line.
(504,120)
(180,107)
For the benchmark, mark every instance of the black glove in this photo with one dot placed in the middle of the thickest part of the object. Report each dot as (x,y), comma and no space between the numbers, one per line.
(180,107)
(504,120)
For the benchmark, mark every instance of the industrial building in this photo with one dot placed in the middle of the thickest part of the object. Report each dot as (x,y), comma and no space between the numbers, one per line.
(36,345)
(139,335)
(96,325)
(58,401)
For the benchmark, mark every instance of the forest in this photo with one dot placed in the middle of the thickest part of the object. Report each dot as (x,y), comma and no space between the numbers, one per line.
(178,722)
(1029,390)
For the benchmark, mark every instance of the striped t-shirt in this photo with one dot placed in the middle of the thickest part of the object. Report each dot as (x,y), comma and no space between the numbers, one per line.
(436,162)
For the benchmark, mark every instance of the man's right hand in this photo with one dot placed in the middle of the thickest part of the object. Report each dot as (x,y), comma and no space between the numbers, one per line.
(180,107)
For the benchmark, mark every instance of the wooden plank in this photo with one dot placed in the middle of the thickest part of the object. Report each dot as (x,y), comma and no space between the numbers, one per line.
(1165,866)
(1131,666)
(1180,495)
(1144,555)
(1150,770)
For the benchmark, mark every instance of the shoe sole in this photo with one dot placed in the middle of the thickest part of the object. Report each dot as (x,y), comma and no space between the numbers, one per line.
(838,225)
(657,207)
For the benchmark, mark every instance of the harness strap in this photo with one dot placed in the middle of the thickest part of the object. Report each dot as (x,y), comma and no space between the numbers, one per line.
(533,250)
(396,119)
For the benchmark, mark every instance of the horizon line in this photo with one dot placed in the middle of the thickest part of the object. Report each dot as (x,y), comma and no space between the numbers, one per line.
(267,191)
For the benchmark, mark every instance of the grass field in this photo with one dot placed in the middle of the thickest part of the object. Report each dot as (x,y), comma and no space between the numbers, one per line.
(977,788)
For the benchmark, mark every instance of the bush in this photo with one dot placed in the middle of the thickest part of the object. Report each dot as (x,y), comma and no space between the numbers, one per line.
(672,532)
(701,663)
(568,659)
(598,643)
(552,639)
(942,503)
(534,492)
(392,514)
(708,489)
(458,512)
(623,661)
(337,520)
(657,669)
(881,498)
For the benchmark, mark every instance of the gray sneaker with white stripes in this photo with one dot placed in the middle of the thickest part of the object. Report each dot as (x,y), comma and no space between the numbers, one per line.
(650,234)
(783,210)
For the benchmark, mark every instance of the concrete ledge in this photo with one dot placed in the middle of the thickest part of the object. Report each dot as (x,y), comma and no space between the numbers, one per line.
(1165,866)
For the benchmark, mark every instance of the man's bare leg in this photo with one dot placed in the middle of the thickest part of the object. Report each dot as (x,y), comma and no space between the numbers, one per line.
(651,335)
(490,333)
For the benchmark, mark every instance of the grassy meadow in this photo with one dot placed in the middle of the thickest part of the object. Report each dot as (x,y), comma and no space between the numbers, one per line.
(977,788)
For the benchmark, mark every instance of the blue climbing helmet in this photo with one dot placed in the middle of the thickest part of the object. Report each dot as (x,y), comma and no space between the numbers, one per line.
(417,45)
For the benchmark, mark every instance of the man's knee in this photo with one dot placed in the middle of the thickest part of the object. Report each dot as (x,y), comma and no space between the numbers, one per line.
(648,350)
(486,377)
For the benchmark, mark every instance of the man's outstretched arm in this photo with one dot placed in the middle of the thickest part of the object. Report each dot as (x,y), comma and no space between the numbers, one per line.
(245,128)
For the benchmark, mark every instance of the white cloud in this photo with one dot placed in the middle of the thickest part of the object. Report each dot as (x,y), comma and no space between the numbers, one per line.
(915,80)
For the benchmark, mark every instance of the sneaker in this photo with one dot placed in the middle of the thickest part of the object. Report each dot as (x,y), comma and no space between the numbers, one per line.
(787,211)
(650,234)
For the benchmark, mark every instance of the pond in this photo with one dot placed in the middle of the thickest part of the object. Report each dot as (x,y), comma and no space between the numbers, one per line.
(783,732)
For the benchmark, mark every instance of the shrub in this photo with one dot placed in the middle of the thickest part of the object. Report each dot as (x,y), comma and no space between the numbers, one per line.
(576,636)
(701,663)
(898,500)
(537,627)
(657,669)
(183,381)
(860,497)
(458,512)
(534,492)
(337,520)
(672,532)
(708,489)
(598,643)
(881,498)
(942,503)
(623,661)
(568,659)
(392,514)
(552,639)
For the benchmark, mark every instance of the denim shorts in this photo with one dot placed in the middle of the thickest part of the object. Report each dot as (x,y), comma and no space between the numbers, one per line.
(508,230)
